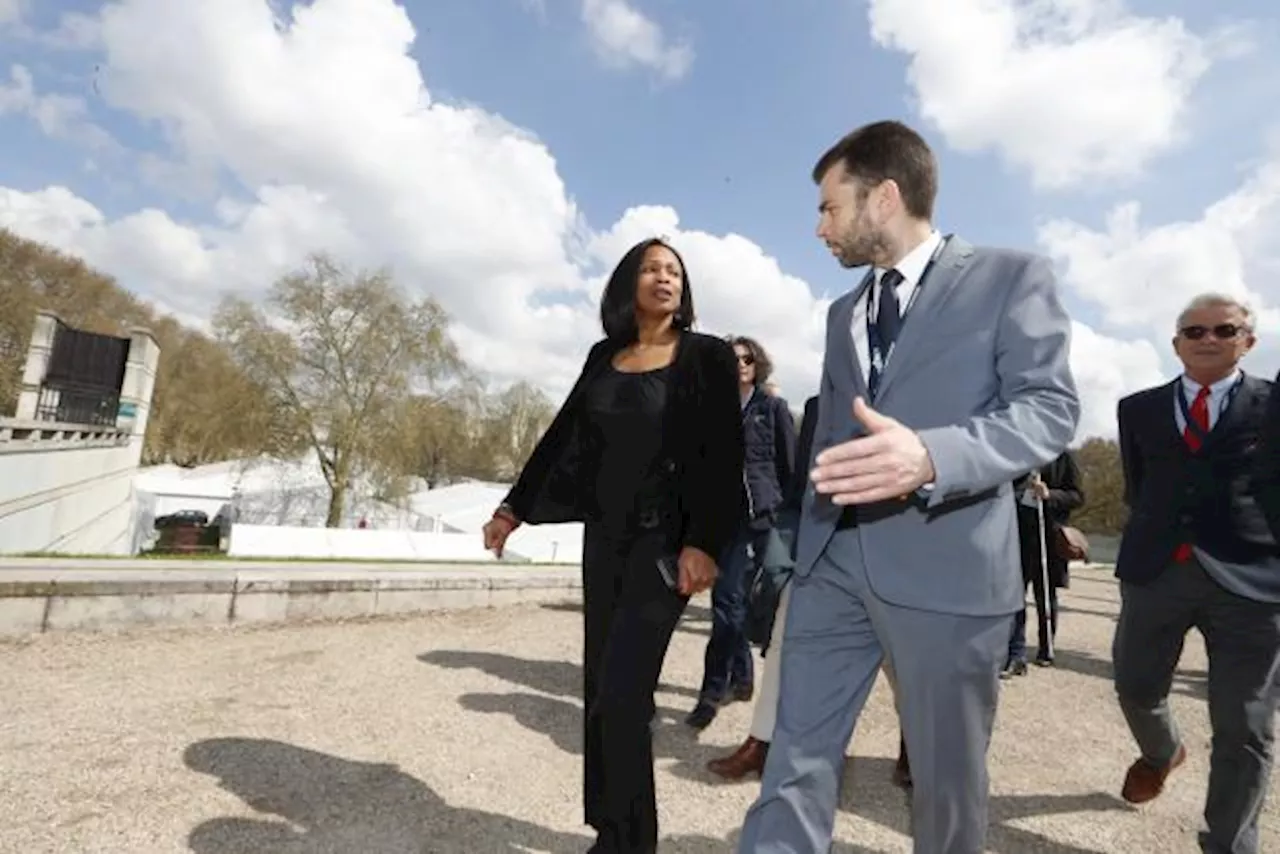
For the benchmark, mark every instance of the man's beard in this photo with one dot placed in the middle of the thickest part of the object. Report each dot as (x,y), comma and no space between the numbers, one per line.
(861,249)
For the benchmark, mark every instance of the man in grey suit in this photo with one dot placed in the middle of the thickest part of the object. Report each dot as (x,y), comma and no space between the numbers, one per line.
(945,378)
(1199,551)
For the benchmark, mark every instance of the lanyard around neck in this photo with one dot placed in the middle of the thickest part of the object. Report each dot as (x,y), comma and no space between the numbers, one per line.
(875,347)
(1190,422)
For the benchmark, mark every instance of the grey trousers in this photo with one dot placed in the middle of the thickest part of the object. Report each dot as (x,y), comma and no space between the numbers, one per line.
(1243,641)
(946,669)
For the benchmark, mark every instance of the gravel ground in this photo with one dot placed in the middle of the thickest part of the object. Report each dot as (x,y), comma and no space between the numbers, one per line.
(460,733)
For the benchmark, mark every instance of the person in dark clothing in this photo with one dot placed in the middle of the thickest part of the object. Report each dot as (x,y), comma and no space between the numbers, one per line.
(1198,552)
(1058,486)
(646,450)
(769,436)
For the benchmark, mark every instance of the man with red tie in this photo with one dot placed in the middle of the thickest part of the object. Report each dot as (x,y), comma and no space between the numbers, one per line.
(1197,552)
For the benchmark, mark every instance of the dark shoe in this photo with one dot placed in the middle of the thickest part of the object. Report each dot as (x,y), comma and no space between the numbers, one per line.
(747,759)
(1015,667)
(902,770)
(1145,782)
(1044,659)
(701,716)
(743,693)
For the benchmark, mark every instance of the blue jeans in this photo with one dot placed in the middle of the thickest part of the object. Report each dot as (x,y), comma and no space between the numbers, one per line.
(728,660)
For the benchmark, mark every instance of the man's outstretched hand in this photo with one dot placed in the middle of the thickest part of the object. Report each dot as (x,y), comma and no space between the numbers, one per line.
(889,461)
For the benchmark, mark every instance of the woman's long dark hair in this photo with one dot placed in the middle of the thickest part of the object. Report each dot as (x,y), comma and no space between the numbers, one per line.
(759,358)
(618,303)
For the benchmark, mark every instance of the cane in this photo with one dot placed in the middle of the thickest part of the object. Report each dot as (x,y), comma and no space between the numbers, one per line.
(1044,578)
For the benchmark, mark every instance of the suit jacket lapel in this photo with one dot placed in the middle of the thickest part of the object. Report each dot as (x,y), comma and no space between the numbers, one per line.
(934,290)
(1166,404)
(1250,396)
(845,364)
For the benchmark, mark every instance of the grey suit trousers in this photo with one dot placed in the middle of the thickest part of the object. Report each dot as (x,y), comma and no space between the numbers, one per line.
(946,667)
(1243,640)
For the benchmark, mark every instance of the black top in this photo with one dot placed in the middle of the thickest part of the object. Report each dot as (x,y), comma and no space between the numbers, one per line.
(622,439)
(701,448)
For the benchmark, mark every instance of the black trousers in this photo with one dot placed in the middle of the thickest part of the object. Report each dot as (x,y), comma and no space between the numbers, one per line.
(629,617)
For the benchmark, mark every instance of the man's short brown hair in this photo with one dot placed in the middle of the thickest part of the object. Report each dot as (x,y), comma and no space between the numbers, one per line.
(884,151)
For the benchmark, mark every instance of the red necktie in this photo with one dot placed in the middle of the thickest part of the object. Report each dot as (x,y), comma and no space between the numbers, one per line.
(1200,416)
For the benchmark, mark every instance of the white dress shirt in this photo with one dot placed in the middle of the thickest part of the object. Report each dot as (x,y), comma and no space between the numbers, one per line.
(912,268)
(1219,397)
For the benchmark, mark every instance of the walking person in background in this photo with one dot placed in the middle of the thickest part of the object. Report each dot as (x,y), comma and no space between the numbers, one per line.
(769,438)
(1198,552)
(1058,486)
(647,451)
(749,757)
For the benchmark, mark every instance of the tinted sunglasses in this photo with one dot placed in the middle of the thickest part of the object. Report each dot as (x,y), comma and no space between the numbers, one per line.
(747,359)
(1223,331)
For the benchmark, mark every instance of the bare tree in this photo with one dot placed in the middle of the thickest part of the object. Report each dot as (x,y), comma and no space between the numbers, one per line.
(513,423)
(338,352)
(1104,510)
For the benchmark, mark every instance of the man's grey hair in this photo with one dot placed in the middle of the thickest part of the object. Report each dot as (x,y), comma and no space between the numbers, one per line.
(1216,300)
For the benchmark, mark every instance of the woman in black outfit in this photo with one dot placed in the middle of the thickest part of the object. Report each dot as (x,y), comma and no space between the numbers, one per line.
(647,450)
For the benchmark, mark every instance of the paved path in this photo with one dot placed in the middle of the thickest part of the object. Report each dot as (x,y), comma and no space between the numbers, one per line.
(460,733)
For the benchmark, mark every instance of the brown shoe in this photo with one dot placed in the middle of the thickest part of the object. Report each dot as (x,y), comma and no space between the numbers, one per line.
(747,759)
(902,770)
(1145,782)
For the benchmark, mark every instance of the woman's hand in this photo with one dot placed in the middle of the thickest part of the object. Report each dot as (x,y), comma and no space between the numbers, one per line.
(496,531)
(697,571)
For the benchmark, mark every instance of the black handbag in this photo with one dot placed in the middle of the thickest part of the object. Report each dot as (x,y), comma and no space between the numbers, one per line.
(772,572)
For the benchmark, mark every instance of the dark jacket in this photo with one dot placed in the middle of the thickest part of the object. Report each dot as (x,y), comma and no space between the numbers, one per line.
(769,434)
(1210,497)
(794,490)
(1266,472)
(702,445)
(1062,476)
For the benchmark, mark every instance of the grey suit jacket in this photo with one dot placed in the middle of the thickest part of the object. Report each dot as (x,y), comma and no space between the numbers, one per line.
(981,372)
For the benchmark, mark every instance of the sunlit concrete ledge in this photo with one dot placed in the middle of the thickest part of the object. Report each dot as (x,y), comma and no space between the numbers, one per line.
(89,596)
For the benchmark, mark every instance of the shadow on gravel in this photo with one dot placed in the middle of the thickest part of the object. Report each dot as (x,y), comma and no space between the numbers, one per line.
(1072,609)
(868,793)
(316,803)
(695,621)
(1188,683)
(561,678)
(561,721)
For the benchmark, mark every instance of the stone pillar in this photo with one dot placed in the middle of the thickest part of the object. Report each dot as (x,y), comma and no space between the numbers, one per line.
(138,385)
(39,351)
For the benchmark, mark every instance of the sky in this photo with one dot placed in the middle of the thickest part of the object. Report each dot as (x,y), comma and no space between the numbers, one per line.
(501,155)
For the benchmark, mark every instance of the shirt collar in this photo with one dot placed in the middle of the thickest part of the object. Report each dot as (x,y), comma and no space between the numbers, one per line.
(913,264)
(1193,387)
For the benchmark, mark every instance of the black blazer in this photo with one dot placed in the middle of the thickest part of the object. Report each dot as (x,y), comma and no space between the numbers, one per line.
(702,447)
(1209,498)
(1267,469)
(794,489)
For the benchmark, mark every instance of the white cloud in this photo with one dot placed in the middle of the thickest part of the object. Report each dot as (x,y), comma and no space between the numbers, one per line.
(1106,369)
(59,116)
(11,11)
(625,37)
(1140,278)
(1069,90)
(332,141)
